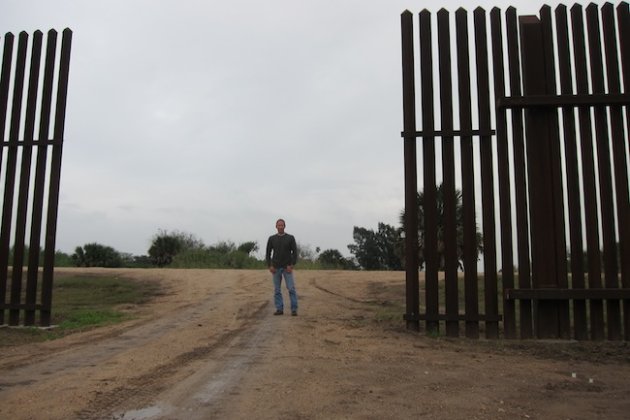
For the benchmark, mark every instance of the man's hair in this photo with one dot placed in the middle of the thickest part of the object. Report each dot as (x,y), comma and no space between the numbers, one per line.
(281,220)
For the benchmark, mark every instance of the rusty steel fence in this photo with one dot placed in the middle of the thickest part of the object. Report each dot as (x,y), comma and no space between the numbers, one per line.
(526,119)
(30,170)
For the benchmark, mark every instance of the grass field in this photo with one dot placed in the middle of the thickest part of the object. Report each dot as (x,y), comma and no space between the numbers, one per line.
(81,302)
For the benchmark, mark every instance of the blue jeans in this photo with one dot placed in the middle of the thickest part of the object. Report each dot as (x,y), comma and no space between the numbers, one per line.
(290,285)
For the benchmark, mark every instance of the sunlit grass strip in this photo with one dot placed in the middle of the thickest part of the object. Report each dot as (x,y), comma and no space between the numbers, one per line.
(82,302)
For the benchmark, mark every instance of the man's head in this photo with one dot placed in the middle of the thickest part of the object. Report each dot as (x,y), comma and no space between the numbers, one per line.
(280,225)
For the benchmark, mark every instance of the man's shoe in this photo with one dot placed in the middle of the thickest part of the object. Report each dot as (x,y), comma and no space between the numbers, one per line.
(278,312)
(293,313)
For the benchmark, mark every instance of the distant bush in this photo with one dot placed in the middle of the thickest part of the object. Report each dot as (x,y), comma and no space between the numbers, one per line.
(166,245)
(136,261)
(97,255)
(331,259)
(211,258)
(62,259)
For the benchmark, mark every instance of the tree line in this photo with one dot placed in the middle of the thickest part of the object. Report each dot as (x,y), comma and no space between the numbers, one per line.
(382,248)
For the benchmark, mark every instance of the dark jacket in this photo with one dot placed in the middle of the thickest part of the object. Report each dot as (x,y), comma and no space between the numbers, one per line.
(284,250)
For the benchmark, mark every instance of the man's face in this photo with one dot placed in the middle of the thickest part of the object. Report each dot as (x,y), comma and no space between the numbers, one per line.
(280,226)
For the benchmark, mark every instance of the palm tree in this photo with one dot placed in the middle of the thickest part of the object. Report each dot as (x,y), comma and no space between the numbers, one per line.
(459,226)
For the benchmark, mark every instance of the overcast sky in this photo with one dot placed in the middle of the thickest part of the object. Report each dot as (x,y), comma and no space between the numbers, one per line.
(218,117)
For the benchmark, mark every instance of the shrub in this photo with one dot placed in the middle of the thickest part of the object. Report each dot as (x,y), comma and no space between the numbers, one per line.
(96,255)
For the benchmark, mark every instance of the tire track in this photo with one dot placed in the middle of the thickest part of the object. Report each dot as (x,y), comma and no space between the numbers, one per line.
(143,389)
(222,364)
(96,352)
(314,283)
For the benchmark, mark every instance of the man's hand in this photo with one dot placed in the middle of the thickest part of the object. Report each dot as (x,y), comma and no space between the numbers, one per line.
(289,268)
(272,269)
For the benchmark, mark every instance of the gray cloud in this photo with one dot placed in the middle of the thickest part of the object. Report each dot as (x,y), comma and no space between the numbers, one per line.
(216,118)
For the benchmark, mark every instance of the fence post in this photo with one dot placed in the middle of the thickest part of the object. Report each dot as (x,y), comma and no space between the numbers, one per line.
(411,176)
(540,138)
(30,197)
(55,177)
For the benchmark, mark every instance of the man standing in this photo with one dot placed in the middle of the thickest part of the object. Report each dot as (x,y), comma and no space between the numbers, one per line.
(284,250)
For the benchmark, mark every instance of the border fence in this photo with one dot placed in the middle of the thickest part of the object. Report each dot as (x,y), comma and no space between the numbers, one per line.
(548,184)
(31,186)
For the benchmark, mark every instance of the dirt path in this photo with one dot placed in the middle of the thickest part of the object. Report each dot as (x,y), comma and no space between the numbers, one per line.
(211,348)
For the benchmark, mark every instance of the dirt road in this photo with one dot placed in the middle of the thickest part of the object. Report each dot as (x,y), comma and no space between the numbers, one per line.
(210,348)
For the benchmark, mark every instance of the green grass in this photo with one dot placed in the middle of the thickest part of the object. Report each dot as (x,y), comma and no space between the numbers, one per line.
(389,312)
(82,302)
(87,318)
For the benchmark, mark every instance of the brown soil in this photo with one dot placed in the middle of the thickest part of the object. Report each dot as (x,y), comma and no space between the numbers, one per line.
(211,348)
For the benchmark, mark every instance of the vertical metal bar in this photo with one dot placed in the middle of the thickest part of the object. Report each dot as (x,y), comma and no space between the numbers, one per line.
(605,180)
(539,169)
(561,280)
(25,177)
(55,177)
(42,156)
(487,178)
(471,292)
(505,205)
(7,61)
(429,194)
(618,144)
(411,178)
(573,175)
(591,215)
(9,192)
(520,178)
(450,242)
(7,58)
(623,21)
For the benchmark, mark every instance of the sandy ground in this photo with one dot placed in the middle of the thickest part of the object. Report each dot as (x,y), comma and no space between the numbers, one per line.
(210,348)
